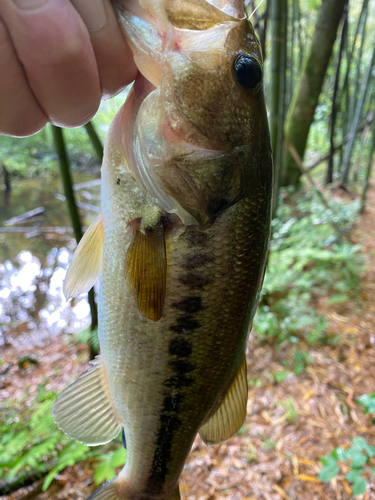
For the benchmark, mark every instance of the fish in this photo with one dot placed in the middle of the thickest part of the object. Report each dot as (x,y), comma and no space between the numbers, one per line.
(180,246)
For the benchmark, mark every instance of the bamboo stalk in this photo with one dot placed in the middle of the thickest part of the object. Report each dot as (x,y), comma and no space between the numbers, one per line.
(278,14)
(60,148)
(345,92)
(95,141)
(354,126)
(335,104)
(362,34)
(368,169)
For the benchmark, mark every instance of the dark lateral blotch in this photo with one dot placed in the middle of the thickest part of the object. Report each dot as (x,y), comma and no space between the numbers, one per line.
(189,304)
(182,367)
(180,347)
(196,260)
(197,239)
(185,324)
(194,280)
(178,381)
(171,404)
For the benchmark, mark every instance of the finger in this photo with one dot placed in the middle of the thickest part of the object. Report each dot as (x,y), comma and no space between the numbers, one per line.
(20,114)
(55,50)
(113,55)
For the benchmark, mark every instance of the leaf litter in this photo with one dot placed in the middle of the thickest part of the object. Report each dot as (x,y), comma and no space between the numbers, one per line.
(291,424)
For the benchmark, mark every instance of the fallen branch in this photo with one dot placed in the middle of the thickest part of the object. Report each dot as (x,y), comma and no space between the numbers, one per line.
(80,204)
(47,229)
(320,160)
(298,160)
(87,184)
(27,215)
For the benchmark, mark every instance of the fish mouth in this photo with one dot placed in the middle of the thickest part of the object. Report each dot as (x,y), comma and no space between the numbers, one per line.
(177,159)
(180,32)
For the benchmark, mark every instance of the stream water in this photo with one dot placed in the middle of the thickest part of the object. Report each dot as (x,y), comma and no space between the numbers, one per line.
(34,254)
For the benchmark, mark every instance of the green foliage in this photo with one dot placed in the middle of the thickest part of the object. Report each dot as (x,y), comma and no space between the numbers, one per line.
(291,411)
(109,462)
(31,442)
(307,261)
(358,454)
(32,445)
(87,335)
(368,401)
(268,445)
(35,155)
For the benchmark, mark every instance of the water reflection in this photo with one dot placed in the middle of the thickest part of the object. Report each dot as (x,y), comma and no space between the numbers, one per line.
(33,263)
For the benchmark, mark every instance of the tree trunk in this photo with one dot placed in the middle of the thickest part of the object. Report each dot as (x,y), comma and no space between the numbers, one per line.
(355,122)
(95,141)
(59,142)
(368,169)
(306,96)
(335,106)
(278,15)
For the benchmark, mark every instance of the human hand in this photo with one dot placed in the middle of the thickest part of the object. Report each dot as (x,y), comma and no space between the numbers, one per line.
(58,58)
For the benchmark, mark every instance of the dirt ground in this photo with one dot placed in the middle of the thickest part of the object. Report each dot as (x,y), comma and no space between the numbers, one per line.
(289,426)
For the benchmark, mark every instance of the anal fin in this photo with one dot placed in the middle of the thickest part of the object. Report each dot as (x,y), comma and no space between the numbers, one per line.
(146,269)
(84,410)
(231,414)
(87,261)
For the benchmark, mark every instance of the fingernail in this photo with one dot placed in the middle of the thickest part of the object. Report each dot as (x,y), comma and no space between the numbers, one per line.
(29,4)
(92,12)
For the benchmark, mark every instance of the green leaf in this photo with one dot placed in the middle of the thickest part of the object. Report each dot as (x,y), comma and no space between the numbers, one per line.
(358,458)
(339,454)
(106,468)
(51,475)
(370,450)
(103,472)
(281,375)
(359,487)
(328,460)
(359,443)
(328,472)
(368,401)
(354,474)
(118,457)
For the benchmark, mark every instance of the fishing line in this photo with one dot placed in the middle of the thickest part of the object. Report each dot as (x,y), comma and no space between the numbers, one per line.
(256,8)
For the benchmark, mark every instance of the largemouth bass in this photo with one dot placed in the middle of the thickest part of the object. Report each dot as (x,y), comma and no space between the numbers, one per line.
(180,245)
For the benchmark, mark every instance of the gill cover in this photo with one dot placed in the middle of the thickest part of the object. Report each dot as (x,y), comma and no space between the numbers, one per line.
(189,143)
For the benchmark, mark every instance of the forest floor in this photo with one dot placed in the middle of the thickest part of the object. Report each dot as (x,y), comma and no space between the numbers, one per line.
(290,425)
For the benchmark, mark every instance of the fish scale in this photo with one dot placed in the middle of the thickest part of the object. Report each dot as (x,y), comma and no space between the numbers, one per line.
(143,348)
(180,245)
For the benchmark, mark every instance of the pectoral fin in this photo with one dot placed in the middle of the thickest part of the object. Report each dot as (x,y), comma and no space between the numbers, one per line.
(146,268)
(87,261)
(84,410)
(231,414)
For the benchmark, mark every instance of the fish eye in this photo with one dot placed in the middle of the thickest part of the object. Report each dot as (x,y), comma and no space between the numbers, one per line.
(247,71)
